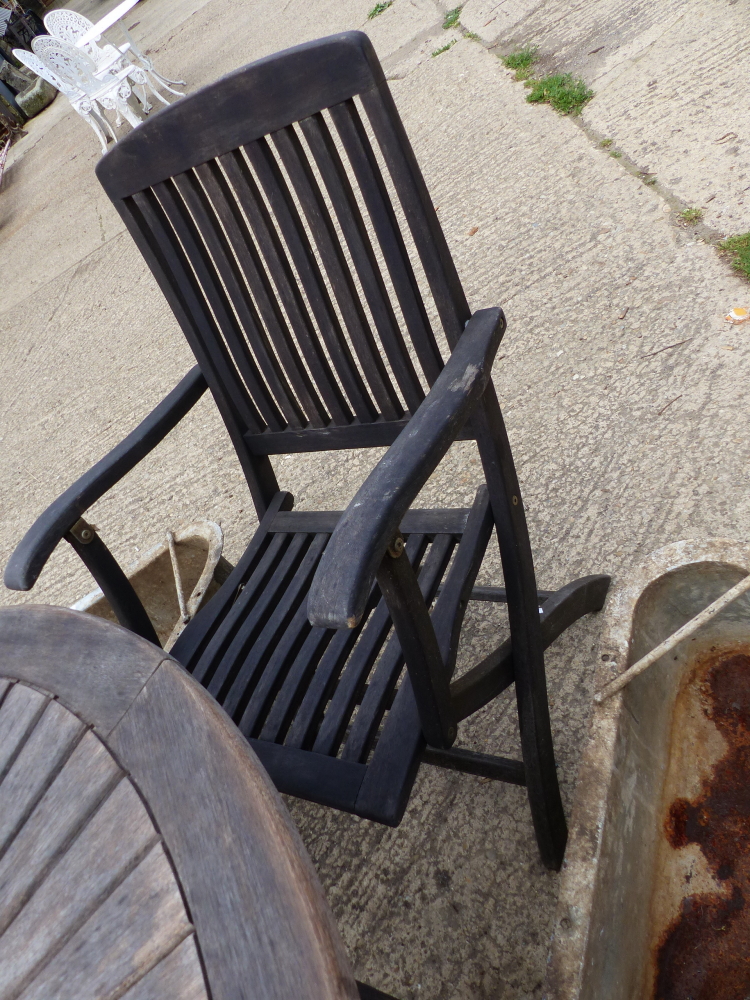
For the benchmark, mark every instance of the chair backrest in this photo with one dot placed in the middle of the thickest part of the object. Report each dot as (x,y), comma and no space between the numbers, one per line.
(72,66)
(35,64)
(303,260)
(69,26)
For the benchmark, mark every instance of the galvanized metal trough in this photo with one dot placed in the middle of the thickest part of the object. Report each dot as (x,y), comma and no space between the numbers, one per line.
(655,891)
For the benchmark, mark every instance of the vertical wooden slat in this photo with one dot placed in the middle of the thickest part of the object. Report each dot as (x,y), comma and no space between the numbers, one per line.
(310,278)
(296,164)
(421,217)
(367,171)
(224,200)
(277,264)
(154,238)
(347,210)
(199,325)
(209,221)
(169,194)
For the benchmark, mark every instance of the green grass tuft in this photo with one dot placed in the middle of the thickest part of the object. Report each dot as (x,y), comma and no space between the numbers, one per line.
(451,18)
(473,36)
(616,153)
(649,180)
(379,8)
(521,61)
(692,215)
(605,143)
(739,248)
(444,48)
(565,94)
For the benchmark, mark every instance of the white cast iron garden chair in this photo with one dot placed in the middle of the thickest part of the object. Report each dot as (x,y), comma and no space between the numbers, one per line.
(85,107)
(70,26)
(77,70)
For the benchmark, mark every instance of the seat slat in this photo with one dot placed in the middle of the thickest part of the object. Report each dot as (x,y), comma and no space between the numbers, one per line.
(292,155)
(222,196)
(171,195)
(19,713)
(179,976)
(255,615)
(385,677)
(306,265)
(264,646)
(48,746)
(208,220)
(194,640)
(222,637)
(102,856)
(350,219)
(159,245)
(87,777)
(367,171)
(350,686)
(137,926)
(279,269)
(289,698)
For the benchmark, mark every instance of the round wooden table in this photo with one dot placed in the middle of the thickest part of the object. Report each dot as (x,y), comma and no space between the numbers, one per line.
(144,853)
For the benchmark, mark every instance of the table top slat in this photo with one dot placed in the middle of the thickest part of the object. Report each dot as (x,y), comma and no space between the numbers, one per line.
(88,775)
(18,714)
(179,976)
(104,853)
(4,685)
(136,927)
(48,745)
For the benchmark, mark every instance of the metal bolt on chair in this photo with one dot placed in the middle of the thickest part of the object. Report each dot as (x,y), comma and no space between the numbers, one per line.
(69,26)
(276,219)
(85,107)
(77,70)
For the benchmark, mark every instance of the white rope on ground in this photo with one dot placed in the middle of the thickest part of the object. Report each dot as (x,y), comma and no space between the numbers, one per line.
(673,640)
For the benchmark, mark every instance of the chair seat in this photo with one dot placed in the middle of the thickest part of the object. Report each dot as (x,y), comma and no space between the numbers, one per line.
(315,703)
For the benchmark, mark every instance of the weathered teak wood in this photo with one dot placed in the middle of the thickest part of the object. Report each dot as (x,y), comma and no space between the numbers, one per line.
(285,218)
(149,856)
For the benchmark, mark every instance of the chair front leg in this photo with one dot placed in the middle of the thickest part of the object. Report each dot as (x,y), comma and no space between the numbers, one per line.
(523,617)
(114,584)
(428,674)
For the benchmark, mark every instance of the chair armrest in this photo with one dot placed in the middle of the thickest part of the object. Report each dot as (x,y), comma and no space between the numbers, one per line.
(29,557)
(347,570)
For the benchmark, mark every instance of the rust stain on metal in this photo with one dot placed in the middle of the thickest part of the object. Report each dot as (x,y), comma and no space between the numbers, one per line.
(704,954)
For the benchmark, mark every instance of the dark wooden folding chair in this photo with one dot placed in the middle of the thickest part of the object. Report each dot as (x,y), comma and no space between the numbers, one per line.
(264,205)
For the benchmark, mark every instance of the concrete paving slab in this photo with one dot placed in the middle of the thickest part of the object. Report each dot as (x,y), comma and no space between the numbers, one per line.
(625,408)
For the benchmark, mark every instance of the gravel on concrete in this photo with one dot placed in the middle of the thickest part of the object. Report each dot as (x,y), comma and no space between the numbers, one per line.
(624,390)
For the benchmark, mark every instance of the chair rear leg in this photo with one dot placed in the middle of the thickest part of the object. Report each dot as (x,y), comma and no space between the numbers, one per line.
(523,615)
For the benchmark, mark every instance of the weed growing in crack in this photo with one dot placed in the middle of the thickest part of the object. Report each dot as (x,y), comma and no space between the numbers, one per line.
(473,36)
(739,248)
(379,8)
(649,180)
(521,61)
(692,215)
(451,18)
(616,153)
(565,94)
(444,48)
(605,143)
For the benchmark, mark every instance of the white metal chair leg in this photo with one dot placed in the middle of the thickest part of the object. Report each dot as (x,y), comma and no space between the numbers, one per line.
(88,117)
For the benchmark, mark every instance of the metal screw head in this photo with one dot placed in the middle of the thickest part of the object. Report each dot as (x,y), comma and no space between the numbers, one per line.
(514,498)
(396,547)
(86,535)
